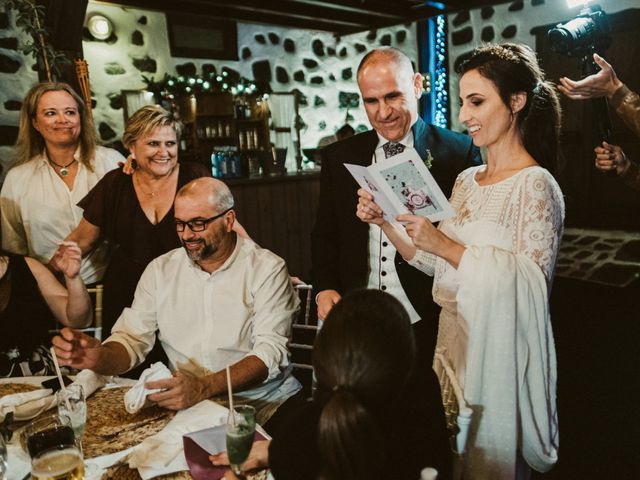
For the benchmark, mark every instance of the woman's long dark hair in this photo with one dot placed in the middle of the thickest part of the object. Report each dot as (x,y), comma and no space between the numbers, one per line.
(362,358)
(513,68)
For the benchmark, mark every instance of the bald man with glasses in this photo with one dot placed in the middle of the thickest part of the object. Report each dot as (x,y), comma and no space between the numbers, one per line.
(218,301)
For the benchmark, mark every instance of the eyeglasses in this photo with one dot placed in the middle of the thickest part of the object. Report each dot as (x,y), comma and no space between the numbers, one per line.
(198,225)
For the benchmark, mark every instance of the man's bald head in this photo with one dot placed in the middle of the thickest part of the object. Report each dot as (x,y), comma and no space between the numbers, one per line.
(386,55)
(390,91)
(208,190)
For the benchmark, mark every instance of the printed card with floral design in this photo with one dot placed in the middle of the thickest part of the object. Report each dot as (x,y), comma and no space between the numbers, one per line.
(403,184)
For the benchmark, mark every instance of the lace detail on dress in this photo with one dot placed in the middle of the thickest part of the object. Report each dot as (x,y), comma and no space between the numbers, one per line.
(424,261)
(538,220)
(529,205)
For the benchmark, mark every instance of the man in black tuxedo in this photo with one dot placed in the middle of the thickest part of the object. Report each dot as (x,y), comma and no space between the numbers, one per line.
(347,253)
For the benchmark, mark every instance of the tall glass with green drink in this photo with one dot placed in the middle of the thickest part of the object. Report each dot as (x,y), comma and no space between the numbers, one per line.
(241,427)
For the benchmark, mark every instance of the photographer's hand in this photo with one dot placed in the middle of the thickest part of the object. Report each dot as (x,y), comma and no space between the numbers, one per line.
(601,84)
(611,158)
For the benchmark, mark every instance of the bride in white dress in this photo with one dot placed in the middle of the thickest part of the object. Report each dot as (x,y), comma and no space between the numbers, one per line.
(493,263)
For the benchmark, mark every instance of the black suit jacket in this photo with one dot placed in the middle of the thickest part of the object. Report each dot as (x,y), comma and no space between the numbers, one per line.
(339,239)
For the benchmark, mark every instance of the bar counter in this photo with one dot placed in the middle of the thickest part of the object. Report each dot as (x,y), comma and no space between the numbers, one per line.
(278,212)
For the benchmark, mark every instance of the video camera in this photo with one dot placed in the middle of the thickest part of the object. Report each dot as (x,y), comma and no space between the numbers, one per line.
(586,34)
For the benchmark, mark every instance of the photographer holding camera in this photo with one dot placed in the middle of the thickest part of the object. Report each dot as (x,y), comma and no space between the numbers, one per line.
(605,83)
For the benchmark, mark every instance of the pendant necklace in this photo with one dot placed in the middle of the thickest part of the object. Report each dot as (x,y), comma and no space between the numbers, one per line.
(64,169)
(152,194)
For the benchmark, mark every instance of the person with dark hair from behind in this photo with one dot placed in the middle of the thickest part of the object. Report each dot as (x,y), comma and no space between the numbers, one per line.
(375,414)
(493,263)
(605,83)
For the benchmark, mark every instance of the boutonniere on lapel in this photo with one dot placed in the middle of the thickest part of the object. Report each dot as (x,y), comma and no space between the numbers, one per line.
(428,159)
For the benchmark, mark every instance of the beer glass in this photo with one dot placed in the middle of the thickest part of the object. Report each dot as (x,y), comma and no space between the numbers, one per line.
(241,427)
(62,462)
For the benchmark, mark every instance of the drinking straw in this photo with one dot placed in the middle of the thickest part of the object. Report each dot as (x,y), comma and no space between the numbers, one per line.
(230,392)
(59,373)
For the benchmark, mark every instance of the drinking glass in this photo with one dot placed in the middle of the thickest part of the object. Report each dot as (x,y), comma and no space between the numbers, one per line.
(3,457)
(62,462)
(72,404)
(46,432)
(241,427)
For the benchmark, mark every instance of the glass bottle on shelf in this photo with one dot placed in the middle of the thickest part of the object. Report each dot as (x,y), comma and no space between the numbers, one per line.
(234,169)
(238,108)
(249,140)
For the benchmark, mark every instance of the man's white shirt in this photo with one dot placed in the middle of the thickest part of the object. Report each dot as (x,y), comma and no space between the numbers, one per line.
(206,322)
(382,268)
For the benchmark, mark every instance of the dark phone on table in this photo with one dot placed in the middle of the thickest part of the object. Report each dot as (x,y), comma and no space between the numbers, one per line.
(54,384)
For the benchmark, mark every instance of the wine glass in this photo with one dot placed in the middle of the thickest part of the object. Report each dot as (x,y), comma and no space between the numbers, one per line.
(241,428)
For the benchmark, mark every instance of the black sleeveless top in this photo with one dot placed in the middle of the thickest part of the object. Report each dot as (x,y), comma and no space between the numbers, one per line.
(24,323)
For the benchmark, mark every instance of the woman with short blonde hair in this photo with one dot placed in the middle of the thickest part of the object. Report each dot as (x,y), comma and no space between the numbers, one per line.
(135,212)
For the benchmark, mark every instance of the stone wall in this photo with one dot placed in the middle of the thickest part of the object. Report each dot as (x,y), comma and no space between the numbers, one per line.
(318,64)
(512,22)
(16,77)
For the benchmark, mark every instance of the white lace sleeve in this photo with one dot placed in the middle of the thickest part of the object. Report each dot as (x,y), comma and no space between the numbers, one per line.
(424,261)
(540,219)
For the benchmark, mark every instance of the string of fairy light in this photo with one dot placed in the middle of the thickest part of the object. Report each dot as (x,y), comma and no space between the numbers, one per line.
(171,86)
(441,101)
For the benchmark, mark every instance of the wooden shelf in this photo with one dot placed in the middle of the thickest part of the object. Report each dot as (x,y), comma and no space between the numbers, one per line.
(213,114)
(249,120)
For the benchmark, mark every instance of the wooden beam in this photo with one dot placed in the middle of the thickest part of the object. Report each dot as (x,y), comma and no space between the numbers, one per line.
(314,9)
(382,9)
(338,16)
(244,15)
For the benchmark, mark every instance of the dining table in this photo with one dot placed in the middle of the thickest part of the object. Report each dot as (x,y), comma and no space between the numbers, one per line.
(120,445)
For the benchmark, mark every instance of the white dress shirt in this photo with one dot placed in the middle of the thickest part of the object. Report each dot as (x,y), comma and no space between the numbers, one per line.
(206,322)
(38,211)
(382,268)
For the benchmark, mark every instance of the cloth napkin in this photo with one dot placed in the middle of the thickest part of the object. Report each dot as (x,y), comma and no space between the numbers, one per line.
(90,381)
(163,453)
(136,397)
(28,405)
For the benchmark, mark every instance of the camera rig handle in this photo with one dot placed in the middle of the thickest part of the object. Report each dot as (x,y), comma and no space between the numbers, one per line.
(601,111)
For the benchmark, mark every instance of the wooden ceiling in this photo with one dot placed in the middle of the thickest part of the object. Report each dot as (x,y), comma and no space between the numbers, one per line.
(338,16)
